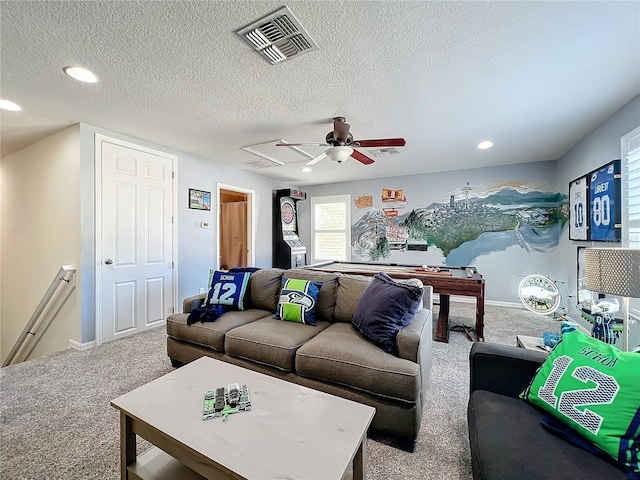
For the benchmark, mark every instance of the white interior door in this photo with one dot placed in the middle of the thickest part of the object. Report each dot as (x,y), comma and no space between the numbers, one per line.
(136,268)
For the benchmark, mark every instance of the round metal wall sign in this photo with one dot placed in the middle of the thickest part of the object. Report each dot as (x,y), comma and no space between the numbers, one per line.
(539,294)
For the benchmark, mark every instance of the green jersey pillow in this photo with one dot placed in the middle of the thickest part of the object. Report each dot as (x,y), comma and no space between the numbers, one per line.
(595,389)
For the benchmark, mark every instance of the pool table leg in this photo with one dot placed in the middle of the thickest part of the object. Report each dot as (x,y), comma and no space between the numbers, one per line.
(480,315)
(442,329)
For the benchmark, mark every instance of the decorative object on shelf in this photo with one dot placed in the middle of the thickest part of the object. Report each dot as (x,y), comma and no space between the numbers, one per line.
(615,271)
(199,199)
(604,203)
(578,208)
(539,294)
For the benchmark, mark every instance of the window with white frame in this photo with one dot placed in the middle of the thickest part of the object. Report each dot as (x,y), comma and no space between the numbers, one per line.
(331,228)
(631,189)
(631,210)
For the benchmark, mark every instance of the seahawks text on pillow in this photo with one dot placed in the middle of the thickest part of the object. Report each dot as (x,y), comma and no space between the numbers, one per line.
(298,299)
(228,289)
(594,388)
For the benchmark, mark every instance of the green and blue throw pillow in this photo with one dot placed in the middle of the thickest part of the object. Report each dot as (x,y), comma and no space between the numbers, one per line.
(594,388)
(228,289)
(298,299)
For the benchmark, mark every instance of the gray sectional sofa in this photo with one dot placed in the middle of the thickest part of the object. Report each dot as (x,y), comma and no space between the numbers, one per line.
(332,356)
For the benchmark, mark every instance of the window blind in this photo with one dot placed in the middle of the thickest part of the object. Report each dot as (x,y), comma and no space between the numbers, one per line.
(632,199)
(631,204)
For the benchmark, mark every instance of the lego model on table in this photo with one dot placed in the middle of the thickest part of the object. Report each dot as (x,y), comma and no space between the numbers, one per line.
(222,402)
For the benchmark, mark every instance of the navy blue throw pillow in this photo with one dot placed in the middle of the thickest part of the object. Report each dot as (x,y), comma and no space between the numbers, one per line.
(384,309)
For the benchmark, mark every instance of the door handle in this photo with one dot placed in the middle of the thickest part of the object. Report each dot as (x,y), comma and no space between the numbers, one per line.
(108,261)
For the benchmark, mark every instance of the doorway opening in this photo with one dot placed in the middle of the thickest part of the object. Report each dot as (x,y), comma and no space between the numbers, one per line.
(236,246)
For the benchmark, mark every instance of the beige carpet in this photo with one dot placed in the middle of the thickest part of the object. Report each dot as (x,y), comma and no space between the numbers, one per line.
(56,422)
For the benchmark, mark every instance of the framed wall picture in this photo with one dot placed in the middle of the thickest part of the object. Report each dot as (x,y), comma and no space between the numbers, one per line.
(199,199)
(605,203)
(579,208)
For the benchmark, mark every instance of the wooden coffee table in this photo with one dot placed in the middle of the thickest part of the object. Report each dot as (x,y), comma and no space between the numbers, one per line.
(291,432)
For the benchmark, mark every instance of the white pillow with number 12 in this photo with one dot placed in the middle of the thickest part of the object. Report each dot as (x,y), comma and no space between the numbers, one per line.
(228,289)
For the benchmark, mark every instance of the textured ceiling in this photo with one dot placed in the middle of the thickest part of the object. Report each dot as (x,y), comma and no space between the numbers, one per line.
(534,77)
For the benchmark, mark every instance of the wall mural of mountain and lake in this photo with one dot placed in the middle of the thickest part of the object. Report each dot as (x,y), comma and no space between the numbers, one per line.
(472,222)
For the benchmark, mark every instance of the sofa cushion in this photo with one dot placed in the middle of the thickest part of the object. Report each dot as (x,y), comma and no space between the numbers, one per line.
(384,309)
(508,442)
(211,334)
(298,299)
(350,289)
(264,288)
(341,355)
(270,341)
(228,289)
(327,295)
(595,389)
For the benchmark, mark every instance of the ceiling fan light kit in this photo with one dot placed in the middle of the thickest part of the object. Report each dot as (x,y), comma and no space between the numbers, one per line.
(339,154)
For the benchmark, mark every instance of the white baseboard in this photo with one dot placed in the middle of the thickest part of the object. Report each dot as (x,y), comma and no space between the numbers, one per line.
(81,347)
(461,299)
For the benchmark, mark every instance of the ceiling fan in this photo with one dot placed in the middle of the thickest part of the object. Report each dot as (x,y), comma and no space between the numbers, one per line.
(342,145)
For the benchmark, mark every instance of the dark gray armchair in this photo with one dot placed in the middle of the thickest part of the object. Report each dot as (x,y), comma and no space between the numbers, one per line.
(506,437)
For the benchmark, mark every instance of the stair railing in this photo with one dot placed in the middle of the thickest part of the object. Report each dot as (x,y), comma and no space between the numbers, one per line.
(63,277)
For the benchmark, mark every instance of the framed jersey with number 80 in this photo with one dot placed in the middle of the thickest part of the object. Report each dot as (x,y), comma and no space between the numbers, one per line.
(578,208)
(604,203)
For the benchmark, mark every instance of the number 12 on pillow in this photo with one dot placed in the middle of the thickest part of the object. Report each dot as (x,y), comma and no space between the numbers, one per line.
(228,289)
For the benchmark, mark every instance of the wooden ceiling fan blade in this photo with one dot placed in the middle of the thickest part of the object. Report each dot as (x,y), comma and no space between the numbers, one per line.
(316,159)
(381,142)
(362,158)
(340,130)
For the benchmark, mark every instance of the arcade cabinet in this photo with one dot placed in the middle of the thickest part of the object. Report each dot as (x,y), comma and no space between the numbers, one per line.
(288,250)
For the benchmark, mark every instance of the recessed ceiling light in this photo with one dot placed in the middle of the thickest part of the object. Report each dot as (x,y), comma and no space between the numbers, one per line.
(9,105)
(81,74)
(307,169)
(484,145)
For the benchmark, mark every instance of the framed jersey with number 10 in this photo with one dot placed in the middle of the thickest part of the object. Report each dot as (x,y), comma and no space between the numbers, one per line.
(604,203)
(578,208)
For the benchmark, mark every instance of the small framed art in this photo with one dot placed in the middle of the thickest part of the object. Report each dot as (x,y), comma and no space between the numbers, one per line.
(199,199)
(578,208)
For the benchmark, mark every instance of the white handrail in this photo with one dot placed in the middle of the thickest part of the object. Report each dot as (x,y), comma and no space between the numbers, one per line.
(60,277)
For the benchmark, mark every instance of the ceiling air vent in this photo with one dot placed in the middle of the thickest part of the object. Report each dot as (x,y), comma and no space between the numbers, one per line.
(260,163)
(278,36)
(384,152)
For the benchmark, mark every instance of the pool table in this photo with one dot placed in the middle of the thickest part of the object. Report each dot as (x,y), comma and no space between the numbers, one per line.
(446,281)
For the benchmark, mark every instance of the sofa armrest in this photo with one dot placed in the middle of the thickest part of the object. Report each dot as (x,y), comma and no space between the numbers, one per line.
(409,338)
(502,369)
(191,303)
(427,297)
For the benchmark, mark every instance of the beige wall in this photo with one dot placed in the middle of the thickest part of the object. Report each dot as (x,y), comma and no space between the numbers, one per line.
(40,217)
